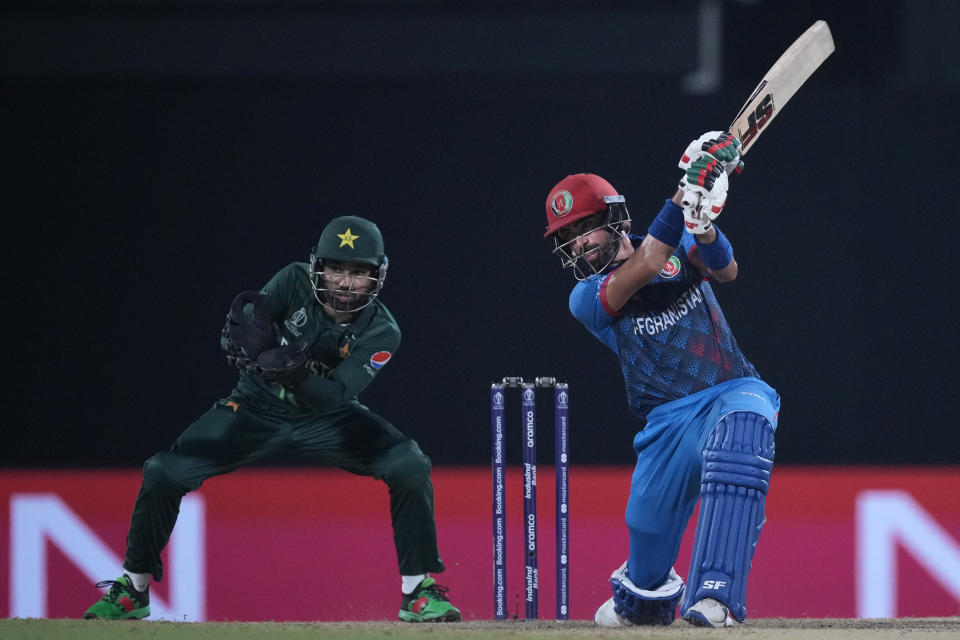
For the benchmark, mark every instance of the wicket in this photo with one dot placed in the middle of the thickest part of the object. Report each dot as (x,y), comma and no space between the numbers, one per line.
(498,430)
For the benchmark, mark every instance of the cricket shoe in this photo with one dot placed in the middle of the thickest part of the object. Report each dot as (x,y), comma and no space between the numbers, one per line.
(606,616)
(120,602)
(709,613)
(428,603)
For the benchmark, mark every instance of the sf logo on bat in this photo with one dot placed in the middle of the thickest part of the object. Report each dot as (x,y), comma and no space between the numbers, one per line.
(760,116)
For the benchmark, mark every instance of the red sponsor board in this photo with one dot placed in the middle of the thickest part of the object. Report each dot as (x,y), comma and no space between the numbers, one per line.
(317,544)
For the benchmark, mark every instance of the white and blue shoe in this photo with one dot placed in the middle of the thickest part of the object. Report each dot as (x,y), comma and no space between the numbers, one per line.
(709,613)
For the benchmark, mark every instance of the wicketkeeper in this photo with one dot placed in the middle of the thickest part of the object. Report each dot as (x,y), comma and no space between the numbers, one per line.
(707,419)
(305,345)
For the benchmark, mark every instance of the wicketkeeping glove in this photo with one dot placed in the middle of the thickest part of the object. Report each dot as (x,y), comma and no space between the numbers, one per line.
(286,365)
(245,336)
(704,185)
(722,145)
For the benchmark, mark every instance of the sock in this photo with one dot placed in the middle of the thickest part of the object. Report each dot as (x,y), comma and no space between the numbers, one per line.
(409,583)
(140,580)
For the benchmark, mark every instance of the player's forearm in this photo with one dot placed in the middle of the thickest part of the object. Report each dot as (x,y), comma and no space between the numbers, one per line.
(728,274)
(716,253)
(707,237)
(323,394)
(646,261)
(637,272)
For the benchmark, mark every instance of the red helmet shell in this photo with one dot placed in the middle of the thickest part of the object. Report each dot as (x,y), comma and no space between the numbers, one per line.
(575,197)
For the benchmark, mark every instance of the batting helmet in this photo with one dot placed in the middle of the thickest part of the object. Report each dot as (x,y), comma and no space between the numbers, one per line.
(578,196)
(349,239)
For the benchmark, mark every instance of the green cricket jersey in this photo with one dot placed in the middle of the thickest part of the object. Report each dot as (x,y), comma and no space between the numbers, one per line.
(344,359)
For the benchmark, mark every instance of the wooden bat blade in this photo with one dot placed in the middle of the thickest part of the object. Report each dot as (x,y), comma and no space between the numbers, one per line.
(787,74)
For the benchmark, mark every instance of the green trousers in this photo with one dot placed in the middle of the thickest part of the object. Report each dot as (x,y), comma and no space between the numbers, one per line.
(237,432)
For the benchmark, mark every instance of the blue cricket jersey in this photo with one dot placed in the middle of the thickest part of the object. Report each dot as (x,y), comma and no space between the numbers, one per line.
(671,336)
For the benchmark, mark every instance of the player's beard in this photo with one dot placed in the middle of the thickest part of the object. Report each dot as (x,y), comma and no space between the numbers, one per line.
(597,257)
(344,301)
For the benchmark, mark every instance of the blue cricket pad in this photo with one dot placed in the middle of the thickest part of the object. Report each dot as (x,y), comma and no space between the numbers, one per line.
(736,475)
(642,607)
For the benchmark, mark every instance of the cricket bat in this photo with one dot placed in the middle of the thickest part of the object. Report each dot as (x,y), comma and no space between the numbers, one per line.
(791,70)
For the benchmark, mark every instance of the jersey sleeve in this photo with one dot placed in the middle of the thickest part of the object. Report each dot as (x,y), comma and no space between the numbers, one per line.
(283,285)
(588,305)
(368,356)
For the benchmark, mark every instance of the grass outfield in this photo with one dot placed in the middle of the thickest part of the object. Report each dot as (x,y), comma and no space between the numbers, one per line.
(778,629)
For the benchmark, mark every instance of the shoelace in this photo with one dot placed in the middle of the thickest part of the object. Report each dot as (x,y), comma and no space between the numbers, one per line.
(115,587)
(437,591)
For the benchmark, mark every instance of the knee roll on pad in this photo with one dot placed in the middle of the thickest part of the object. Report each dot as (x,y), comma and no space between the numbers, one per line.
(734,483)
(646,607)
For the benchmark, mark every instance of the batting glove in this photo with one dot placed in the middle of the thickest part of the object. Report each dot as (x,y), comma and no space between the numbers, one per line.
(704,185)
(722,145)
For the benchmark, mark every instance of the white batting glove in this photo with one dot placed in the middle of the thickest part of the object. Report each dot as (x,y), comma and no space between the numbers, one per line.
(694,222)
(722,145)
(704,185)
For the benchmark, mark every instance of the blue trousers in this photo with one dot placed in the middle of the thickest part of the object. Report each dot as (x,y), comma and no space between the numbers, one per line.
(666,481)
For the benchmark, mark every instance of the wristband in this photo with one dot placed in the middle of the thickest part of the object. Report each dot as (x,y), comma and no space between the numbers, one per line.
(718,253)
(667,227)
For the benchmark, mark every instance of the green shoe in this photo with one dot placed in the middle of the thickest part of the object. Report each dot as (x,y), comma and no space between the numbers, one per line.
(428,603)
(120,602)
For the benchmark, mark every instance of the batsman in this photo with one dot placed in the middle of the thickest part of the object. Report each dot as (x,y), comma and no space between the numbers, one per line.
(707,420)
(313,338)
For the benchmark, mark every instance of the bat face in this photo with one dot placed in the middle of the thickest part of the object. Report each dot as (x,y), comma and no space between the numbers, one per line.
(787,74)
(754,121)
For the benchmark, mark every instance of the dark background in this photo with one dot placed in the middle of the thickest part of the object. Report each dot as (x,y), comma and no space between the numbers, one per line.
(163,156)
